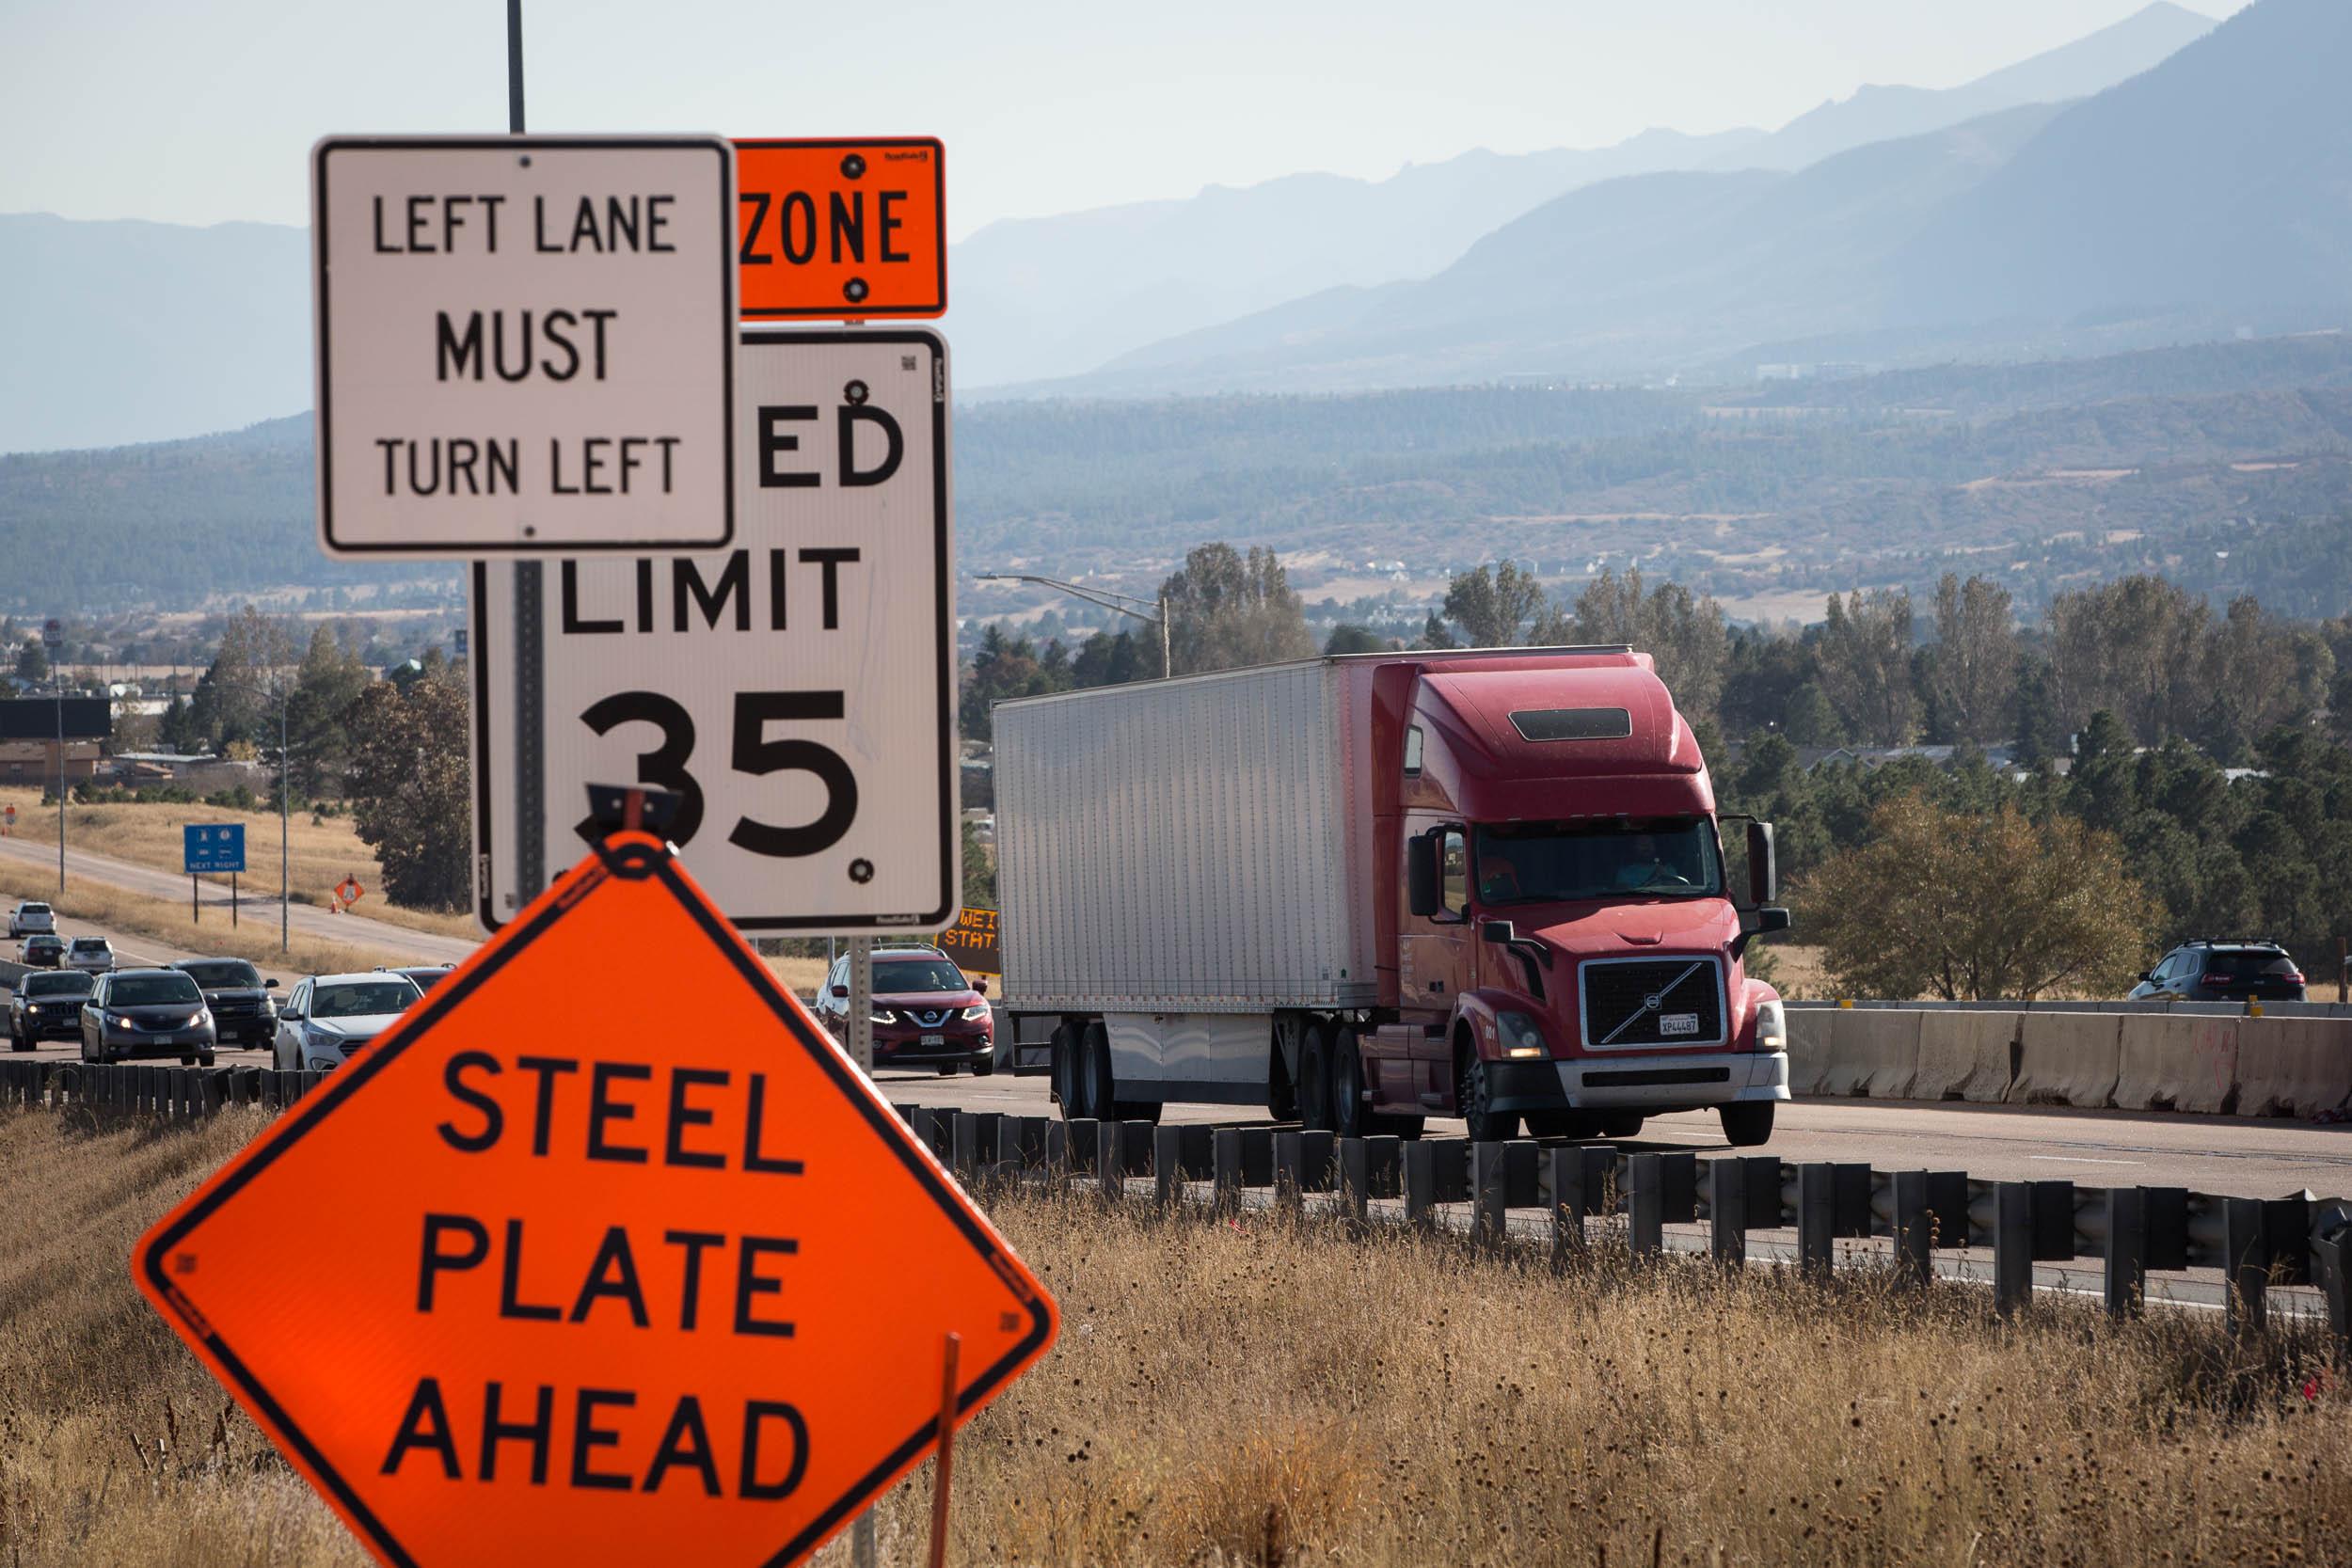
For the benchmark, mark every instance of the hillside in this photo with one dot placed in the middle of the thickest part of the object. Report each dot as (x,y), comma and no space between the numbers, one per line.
(2221,179)
(1767,496)
(2208,193)
(118,332)
(171,524)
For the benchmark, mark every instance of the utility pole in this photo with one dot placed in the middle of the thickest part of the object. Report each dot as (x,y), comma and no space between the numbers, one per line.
(60,680)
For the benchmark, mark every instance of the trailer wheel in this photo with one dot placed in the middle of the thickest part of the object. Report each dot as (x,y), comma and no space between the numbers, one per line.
(1314,1076)
(1474,1092)
(1062,1061)
(1095,1098)
(1349,1119)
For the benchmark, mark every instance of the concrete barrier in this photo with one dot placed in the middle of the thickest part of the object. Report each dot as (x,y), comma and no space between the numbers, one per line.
(1808,1047)
(1965,1056)
(2293,1066)
(2178,1063)
(1871,1053)
(2067,1059)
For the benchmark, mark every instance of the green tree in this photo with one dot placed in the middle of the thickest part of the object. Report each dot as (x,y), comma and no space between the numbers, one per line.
(32,661)
(1971,906)
(327,685)
(1347,637)
(979,870)
(1972,676)
(411,800)
(1683,634)
(1494,605)
(1227,609)
(1865,665)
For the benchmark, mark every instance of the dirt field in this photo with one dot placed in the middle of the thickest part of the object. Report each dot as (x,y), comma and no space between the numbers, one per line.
(132,914)
(148,833)
(1267,1392)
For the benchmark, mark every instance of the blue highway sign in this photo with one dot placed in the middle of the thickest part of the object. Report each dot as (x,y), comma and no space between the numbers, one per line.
(214,846)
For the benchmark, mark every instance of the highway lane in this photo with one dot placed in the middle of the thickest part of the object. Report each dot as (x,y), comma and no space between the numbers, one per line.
(2242,1156)
(398,943)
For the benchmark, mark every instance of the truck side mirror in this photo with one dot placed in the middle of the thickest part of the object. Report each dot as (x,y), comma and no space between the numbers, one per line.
(1420,876)
(1763,870)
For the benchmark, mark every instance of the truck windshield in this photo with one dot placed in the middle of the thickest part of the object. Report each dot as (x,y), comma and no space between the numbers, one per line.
(1554,863)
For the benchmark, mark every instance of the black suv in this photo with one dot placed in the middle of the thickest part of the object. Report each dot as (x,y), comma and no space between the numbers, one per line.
(2221,970)
(243,1011)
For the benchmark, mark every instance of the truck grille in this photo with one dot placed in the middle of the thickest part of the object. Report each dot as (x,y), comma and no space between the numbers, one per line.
(1652,1002)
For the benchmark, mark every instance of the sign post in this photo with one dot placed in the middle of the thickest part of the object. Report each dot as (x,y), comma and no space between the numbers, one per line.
(631,1289)
(798,691)
(212,849)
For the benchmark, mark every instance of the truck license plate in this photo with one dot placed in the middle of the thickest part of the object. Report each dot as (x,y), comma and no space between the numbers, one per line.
(937,1039)
(1677,1024)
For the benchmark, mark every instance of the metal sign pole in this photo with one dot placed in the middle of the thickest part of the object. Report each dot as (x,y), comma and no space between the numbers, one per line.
(864,1549)
(531,840)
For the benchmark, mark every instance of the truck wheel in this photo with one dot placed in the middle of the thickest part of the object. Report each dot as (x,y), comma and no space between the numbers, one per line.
(1474,1092)
(1749,1124)
(1348,1116)
(1314,1077)
(1138,1110)
(1062,1063)
(1388,1124)
(1623,1124)
(1095,1098)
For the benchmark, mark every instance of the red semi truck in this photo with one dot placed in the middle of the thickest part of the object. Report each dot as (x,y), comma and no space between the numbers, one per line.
(1368,890)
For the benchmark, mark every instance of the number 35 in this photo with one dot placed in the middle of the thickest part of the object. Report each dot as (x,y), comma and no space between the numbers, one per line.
(664,768)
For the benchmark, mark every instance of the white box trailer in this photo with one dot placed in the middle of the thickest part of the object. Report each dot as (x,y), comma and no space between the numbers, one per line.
(1184,859)
(1201,845)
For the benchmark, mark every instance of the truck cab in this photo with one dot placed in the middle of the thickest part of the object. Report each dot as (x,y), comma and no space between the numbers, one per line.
(1568,950)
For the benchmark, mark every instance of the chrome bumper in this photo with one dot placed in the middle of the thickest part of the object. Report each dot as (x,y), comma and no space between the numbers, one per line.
(1673,1081)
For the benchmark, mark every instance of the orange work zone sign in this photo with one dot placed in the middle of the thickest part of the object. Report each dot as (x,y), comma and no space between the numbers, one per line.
(546,1274)
(841,230)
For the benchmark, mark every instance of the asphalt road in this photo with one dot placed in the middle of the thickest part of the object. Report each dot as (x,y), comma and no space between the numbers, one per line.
(256,907)
(2241,1156)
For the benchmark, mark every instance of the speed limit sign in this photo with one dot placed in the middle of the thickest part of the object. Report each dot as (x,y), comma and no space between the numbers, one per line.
(797,693)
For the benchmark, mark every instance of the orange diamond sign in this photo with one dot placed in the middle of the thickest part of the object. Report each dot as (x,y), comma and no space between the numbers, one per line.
(603,1254)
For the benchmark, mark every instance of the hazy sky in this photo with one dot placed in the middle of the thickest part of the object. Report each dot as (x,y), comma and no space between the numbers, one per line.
(197,111)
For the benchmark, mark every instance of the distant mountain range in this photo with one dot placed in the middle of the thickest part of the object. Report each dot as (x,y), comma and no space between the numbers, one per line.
(1057,296)
(120,332)
(2210,194)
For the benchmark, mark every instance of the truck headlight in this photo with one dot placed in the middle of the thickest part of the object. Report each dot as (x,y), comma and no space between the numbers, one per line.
(1771,1027)
(1519,1036)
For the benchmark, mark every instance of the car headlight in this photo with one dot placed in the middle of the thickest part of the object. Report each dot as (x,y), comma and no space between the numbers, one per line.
(1519,1035)
(973,1015)
(1771,1027)
(881,1015)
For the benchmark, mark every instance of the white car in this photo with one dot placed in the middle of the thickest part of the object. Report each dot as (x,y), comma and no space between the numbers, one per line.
(329,1016)
(27,918)
(90,955)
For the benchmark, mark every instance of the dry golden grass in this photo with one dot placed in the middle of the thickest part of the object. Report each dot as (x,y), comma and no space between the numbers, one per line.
(801,976)
(134,915)
(148,833)
(1274,1391)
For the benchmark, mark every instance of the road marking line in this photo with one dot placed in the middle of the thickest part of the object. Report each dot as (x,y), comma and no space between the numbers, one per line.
(2081,1160)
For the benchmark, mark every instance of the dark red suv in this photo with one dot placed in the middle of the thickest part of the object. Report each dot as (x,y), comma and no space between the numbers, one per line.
(926,1013)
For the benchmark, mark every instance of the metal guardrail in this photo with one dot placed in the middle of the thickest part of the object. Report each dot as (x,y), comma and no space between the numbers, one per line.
(2258,1243)
(160,1091)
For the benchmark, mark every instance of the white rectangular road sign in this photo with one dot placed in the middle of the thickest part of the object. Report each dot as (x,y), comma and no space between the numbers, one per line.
(798,691)
(525,344)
